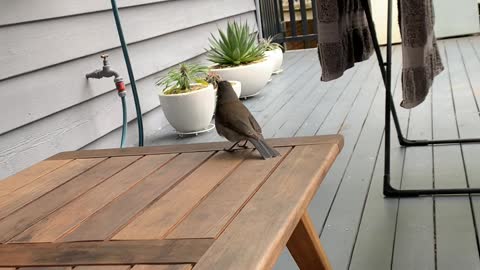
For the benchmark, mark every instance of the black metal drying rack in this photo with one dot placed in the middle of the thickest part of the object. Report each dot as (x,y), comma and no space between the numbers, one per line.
(386,70)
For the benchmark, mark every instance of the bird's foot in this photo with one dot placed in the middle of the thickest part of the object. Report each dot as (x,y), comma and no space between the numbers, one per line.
(244,145)
(232,148)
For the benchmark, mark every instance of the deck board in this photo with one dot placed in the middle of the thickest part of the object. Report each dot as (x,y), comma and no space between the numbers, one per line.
(456,243)
(344,217)
(327,192)
(471,60)
(414,241)
(374,244)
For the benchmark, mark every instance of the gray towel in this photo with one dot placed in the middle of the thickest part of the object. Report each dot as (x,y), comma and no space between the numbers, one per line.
(421,60)
(343,36)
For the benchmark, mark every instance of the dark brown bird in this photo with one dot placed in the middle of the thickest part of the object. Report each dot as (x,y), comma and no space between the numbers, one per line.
(235,122)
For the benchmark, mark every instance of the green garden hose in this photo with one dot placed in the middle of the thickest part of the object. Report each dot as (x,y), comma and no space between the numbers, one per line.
(131,77)
(125,122)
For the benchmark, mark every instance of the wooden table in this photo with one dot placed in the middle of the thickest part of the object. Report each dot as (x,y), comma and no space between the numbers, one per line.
(168,207)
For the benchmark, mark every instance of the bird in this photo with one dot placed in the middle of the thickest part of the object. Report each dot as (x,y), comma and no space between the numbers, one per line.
(235,122)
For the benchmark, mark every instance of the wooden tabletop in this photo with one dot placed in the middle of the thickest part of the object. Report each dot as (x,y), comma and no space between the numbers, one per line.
(166,208)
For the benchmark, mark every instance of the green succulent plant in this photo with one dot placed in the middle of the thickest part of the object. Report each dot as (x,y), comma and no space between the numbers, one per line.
(269,45)
(180,80)
(237,46)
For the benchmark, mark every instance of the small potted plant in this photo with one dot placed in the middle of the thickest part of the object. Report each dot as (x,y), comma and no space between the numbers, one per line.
(187,100)
(274,54)
(238,57)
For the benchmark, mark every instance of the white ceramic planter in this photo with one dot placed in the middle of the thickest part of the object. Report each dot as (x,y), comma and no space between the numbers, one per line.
(276,57)
(189,112)
(237,87)
(253,77)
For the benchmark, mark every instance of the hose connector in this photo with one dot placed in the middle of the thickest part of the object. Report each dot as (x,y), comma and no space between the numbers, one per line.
(120,86)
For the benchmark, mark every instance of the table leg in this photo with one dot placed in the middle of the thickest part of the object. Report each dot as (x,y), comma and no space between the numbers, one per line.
(305,247)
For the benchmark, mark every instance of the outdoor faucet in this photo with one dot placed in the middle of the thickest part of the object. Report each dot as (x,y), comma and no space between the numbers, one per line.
(107,72)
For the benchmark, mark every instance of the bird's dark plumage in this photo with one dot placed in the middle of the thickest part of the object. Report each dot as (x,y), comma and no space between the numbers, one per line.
(235,122)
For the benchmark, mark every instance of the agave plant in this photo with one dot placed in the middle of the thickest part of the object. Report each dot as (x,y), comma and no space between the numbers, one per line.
(269,45)
(236,47)
(180,80)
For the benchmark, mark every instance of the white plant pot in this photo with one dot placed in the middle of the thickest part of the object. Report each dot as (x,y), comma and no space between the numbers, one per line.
(276,57)
(253,77)
(237,87)
(189,112)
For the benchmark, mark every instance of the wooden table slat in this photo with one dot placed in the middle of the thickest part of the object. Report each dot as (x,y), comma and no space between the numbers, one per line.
(280,203)
(32,191)
(163,267)
(30,174)
(160,217)
(69,216)
(104,253)
(46,268)
(103,267)
(199,147)
(28,215)
(119,212)
(213,214)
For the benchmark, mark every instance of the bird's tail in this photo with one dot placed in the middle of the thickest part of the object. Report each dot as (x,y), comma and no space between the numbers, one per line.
(265,150)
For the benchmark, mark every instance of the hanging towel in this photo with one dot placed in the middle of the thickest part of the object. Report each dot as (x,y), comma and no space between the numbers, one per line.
(421,60)
(343,36)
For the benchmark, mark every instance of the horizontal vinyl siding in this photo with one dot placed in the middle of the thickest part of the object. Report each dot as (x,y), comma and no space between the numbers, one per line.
(32,46)
(34,10)
(64,85)
(54,108)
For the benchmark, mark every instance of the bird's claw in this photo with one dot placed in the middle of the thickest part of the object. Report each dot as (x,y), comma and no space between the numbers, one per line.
(231,149)
(243,145)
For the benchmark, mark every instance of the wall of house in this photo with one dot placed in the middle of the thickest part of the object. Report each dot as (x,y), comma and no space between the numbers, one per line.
(47,47)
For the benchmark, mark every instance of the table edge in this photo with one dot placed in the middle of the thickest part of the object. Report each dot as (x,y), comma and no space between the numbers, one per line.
(198,147)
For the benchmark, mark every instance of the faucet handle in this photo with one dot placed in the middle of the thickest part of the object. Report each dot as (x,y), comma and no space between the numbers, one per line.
(105,60)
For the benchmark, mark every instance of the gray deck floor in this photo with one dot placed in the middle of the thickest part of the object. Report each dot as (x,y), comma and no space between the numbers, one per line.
(360,229)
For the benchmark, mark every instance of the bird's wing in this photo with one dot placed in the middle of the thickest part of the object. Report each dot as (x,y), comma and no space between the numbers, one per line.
(227,132)
(239,120)
(255,124)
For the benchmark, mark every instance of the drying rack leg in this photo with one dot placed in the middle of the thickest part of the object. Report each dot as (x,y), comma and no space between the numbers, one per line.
(385,69)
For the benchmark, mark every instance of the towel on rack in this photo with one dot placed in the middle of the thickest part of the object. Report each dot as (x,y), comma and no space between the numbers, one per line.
(343,36)
(421,60)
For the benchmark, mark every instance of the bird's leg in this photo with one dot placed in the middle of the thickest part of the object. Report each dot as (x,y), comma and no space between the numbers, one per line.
(231,149)
(244,145)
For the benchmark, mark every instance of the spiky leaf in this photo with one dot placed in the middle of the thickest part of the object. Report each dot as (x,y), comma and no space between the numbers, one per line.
(179,80)
(236,46)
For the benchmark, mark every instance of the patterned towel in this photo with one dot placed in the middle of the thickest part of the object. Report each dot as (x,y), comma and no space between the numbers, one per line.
(344,39)
(421,60)
(343,36)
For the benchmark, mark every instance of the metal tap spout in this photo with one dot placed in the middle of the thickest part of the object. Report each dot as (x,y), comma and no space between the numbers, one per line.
(105,72)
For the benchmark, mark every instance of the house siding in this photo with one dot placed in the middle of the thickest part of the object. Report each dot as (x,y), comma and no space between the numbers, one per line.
(49,106)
